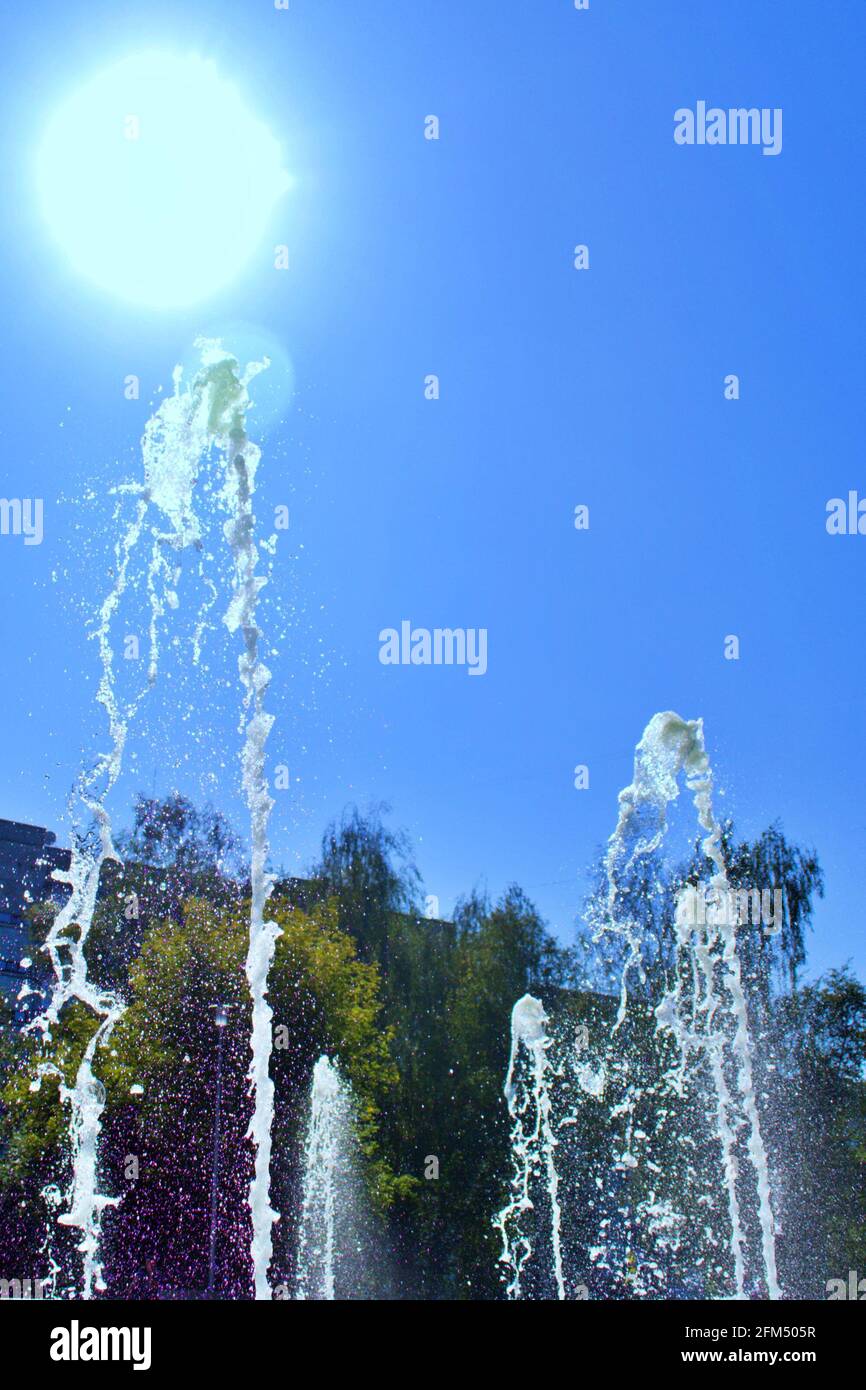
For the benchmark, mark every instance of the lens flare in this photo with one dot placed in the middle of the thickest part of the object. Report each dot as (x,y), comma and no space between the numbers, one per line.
(158,181)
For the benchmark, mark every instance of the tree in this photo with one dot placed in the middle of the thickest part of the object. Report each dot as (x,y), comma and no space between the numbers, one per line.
(173,834)
(369,870)
(159,1077)
(172,853)
(679,1172)
(454,990)
(818,1119)
(769,863)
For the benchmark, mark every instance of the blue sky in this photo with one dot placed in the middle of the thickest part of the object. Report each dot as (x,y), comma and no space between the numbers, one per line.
(454,257)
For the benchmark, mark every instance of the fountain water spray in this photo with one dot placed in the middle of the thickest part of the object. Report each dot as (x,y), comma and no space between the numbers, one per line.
(179,436)
(533,1143)
(710,1018)
(242,459)
(326,1158)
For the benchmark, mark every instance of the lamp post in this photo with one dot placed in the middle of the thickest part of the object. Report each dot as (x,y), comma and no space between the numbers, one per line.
(220,1021)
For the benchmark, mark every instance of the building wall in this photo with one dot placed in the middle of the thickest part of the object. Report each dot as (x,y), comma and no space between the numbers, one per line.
(28,858)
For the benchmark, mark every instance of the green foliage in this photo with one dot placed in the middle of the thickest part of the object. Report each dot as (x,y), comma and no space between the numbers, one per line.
(771,862)
(326,997)
(32,1119)
(449,992)
(819,1119)
(368,870)
(417,1015)
(174,834)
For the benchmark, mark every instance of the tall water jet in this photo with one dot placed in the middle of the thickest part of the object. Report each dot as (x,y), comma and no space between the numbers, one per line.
(706,1009)
(91,847)
(242,459)
(533,1145)
(326,1183)
(178,438)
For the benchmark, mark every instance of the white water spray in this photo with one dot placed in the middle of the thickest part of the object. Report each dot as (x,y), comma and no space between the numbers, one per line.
(242,459)
(178,438)
(712,1018)
(533,1144)
(326,1158)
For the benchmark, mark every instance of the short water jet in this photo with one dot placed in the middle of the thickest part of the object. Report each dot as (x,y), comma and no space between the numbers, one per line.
(326,1198)
(533,1145)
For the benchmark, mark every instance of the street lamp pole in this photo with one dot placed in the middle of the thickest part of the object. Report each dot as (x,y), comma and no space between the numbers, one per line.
(220,1020)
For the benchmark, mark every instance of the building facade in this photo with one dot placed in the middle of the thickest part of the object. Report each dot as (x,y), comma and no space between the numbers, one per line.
(28,858)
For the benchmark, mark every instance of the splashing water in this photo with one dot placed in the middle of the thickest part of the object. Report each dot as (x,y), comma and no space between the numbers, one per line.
(326,1158)
(709,1019)
(533,1144)
(178,439)
(704,1012)
(242,460)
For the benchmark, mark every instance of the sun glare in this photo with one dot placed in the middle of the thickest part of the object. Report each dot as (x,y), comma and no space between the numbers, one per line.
(157,180)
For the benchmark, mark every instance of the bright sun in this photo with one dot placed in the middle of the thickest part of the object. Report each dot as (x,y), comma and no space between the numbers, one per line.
(157,180)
